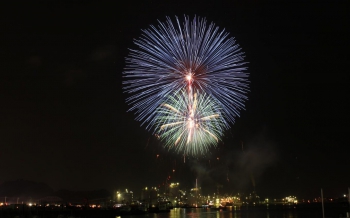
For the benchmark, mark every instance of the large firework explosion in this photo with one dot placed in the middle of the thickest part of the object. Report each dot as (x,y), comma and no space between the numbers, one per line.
(189,124)
(194,57)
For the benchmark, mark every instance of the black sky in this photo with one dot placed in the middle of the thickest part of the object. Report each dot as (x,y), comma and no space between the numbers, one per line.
(63,112)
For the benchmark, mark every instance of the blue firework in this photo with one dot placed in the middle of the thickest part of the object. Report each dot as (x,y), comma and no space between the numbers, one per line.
(193,56)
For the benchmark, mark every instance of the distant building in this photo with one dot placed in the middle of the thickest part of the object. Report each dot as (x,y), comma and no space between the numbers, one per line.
(51,200)
(291,200)
(150,195)
(194,198)
(174,193)
(286,200)
(125,197)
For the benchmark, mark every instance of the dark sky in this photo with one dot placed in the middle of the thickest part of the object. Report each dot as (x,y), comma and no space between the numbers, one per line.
(63,112)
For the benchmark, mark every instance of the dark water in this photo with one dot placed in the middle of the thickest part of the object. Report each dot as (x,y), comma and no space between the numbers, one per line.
(259,211)
(262,212)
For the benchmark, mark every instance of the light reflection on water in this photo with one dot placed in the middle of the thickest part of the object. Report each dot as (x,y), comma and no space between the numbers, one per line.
(228,213)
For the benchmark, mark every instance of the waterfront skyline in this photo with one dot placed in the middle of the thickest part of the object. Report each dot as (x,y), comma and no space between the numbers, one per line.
(64,119)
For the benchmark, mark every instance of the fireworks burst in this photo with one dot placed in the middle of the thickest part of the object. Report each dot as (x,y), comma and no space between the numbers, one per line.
(189,125)
(192,56)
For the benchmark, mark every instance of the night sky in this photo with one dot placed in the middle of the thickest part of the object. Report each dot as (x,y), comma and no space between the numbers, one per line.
(64,119)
